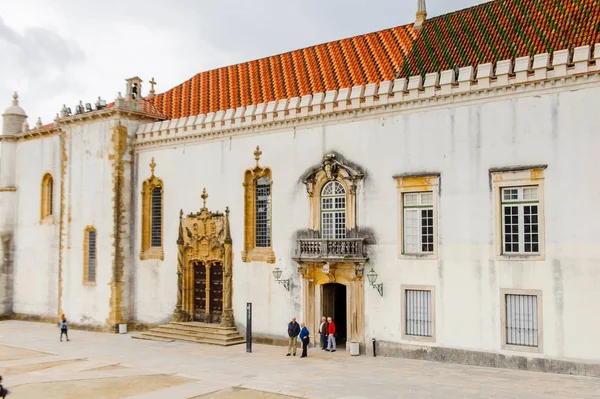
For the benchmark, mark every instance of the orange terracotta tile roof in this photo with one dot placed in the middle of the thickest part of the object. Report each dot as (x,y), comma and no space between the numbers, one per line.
(147,106)
(498,30)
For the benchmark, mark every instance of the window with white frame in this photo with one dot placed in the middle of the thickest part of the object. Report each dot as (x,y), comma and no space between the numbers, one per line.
(522,323)
(520,220)
(418,223)
(418,313)
(333,211)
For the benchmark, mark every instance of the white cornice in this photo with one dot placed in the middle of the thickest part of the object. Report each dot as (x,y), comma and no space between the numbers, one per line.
(526,76)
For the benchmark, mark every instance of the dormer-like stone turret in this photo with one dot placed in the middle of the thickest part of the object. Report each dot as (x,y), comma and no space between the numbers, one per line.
(421,15)
(13,117)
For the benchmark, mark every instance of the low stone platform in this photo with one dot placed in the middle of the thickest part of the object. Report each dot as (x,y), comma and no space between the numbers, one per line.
(202,333)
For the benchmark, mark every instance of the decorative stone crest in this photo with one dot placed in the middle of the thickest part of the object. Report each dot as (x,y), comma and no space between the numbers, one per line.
(333,167)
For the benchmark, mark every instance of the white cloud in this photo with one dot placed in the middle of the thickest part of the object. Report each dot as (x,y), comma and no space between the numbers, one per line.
(65,50)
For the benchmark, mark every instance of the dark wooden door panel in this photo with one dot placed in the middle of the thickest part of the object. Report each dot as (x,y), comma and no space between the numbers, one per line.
(216,292)
(199,291)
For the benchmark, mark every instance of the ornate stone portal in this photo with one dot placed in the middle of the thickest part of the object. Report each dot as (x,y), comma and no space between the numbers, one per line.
(204,252)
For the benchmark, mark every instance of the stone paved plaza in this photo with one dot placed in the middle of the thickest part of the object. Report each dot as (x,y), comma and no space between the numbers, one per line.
(93,365)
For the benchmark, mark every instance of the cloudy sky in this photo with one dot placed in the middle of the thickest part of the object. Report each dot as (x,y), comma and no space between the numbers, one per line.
(62,51)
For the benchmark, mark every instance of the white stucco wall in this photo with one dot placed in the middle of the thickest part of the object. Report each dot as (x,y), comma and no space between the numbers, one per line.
(36,243)
(460,142)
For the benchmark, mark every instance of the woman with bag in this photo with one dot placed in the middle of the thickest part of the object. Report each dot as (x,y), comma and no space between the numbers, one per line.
(304,338)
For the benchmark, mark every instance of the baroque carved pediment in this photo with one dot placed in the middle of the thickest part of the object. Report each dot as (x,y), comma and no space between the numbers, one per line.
(333,167)
(202,234)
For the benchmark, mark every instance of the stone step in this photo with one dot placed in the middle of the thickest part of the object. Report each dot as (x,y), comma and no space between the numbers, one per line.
(198,325)
(199,329)
(164,336)
(195,333)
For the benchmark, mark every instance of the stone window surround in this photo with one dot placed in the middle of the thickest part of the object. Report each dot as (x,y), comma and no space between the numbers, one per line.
(251,252)
(147,251)
(86,258)
(519,348)
(421,339)
(516,177)
(416,183)
(47,199)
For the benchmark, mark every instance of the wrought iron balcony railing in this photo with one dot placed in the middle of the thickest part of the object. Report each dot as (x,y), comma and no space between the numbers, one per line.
(346,249)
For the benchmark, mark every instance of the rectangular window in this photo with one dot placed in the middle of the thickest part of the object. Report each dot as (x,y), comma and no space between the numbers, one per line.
(156,218)
(418,223)
(419,315)
(520,220)
(91,256)
(263,212)
(522,322)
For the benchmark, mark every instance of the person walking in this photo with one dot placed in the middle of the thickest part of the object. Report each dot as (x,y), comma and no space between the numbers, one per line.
(293,332)
(64,328)
(323,332)
(3,391)
(331,335)
(304,338)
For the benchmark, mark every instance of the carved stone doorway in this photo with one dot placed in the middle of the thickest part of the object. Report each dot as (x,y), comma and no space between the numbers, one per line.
(204,268)
(315,297)
(333,304)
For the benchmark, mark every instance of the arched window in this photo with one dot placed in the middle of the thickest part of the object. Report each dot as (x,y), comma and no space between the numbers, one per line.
(89,255)
(47,195)
(258,195)
(152,217)
(333,211)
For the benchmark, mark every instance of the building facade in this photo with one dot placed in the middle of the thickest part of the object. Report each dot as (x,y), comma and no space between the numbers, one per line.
(426,185)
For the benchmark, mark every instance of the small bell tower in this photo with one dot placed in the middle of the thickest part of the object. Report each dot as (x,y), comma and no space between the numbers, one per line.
(134,89)
(421,14)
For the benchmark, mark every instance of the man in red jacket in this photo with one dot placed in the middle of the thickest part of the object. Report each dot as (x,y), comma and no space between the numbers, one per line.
(331,336)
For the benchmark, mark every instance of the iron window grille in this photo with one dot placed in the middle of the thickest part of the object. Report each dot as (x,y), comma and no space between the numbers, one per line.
(92,256)
(419,315)
(263,212)
(156,218)
(522,320)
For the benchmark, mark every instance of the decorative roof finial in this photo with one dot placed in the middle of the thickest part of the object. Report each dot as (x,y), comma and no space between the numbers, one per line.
(15,99)
(204,196)
(257,154)
(227,231)
(152,166)
(152,83)
(421,15)
(39,124)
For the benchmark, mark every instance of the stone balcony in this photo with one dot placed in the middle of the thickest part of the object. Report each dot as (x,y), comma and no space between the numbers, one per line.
(331,250)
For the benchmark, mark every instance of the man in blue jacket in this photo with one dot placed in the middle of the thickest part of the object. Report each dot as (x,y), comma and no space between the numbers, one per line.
(293,332)
(304,338)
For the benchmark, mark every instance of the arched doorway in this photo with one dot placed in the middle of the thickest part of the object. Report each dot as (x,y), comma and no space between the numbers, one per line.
(334,305)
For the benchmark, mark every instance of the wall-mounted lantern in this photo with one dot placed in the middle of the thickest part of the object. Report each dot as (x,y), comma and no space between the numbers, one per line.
(372,276)
(277,275)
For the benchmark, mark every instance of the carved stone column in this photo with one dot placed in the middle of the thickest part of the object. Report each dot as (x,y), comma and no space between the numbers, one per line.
(227,316)
(178,314)
(308,304)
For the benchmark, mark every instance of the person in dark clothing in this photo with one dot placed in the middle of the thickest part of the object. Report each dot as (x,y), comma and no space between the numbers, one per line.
(323,332)
(64,328)
(293,331)
(304,338)
(3,391)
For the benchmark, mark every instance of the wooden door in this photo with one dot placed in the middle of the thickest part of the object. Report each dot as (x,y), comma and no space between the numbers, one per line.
(199,292)
(216,292)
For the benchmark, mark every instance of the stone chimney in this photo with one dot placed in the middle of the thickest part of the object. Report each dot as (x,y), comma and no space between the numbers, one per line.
(13,117)
(421,15)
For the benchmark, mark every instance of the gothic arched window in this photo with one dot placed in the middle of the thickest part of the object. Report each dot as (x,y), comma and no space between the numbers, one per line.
(152,217)
(47,195)
(333,210)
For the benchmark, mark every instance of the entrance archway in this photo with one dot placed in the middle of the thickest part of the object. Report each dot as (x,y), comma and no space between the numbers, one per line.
(343,283)
(334,305)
